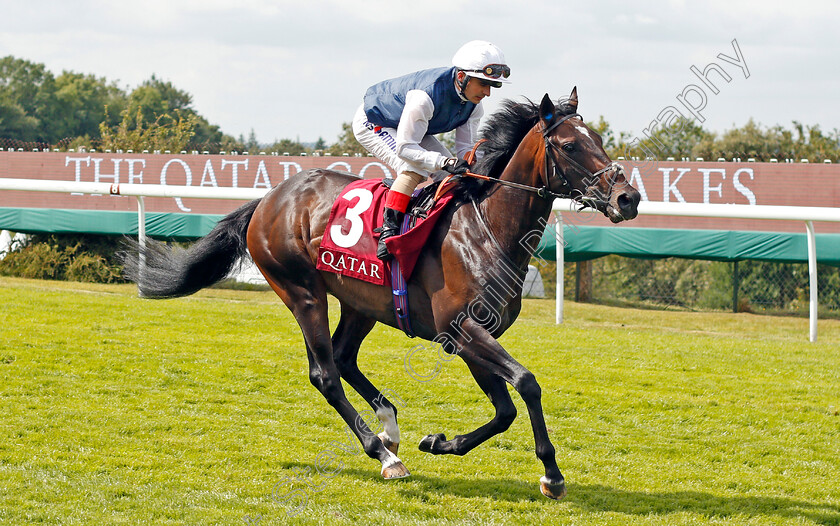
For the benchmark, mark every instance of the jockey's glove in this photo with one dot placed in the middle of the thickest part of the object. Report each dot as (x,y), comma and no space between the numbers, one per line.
(456,166)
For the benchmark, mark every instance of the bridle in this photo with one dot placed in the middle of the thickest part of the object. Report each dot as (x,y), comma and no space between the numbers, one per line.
(551,167)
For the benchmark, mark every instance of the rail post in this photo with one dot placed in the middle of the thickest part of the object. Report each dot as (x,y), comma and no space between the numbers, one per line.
(560,260)
(812,274)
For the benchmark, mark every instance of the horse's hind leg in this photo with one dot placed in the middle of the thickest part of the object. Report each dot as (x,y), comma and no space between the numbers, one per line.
(347,338)
(306,297)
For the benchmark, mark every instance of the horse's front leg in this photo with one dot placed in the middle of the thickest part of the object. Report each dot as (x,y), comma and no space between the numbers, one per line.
(496,390)
(483,353)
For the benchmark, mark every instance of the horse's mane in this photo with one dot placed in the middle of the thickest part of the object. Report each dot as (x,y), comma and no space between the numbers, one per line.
(503,131)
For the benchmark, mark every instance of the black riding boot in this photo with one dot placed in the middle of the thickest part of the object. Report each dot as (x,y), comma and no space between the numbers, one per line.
(391,222)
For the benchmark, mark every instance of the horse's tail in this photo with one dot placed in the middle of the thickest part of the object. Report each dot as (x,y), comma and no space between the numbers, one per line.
(163,271)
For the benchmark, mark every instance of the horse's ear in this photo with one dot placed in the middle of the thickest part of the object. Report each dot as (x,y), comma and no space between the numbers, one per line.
(547,111)
(573,101)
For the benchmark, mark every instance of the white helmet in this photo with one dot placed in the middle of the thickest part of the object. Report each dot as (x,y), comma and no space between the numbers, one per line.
(482,60)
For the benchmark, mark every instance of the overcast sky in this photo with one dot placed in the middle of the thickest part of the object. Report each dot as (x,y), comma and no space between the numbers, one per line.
(299,69)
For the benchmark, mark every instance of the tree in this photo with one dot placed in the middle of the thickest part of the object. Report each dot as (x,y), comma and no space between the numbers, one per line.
(749,141)
(167,132)
(612,143)
(24,90)
(764,143)
(812,144)
(70,105)
(678,138)
(288,146)
(174,98)
(156,97)
(251,145)
(81,104)
(14,122)
(26,83)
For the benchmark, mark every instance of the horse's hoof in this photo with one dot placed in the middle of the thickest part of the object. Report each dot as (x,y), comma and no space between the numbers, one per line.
(396,470)
(553,490)
(393,447)
(431,443)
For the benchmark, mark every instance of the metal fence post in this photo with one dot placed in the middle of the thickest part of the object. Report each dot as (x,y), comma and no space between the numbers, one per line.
(560,258)
(812,274)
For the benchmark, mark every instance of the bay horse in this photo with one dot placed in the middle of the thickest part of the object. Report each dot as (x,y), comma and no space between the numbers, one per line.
(535,153)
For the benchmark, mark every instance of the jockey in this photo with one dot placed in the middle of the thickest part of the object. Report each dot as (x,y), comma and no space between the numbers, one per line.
(399,118)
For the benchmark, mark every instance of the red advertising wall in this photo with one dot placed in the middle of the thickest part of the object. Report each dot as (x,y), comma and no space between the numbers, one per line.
(783,184)
(797,184)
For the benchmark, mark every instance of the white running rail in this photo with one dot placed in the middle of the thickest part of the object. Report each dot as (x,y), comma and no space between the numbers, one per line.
(807,214)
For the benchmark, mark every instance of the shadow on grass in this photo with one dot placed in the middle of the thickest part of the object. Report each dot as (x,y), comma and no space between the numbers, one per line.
(596,498)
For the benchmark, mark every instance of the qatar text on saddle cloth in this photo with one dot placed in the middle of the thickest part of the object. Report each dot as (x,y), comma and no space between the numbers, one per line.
(349,246)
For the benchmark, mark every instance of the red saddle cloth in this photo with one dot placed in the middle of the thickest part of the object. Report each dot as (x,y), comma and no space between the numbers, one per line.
(349,244)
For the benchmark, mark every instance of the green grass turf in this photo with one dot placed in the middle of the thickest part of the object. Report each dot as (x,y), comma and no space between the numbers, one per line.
(117,410)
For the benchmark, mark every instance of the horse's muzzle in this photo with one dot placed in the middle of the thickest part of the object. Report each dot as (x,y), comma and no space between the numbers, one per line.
(616,199)
(623,204)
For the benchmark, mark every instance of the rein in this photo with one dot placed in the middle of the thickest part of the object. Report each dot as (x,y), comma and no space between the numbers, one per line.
(543,192)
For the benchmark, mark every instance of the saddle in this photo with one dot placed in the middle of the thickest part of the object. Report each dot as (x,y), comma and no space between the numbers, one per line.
(349,244)
(424,198)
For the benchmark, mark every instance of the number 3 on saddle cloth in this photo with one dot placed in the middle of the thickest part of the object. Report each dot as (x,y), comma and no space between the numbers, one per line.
(349,243)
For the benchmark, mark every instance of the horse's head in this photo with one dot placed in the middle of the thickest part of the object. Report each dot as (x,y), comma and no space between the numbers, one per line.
(577,166)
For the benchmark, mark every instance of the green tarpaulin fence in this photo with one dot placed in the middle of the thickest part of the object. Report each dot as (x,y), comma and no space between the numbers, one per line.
(59,221)
(582,242)
(590,242)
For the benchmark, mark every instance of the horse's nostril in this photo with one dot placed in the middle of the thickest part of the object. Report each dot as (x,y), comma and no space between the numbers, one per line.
(627,204)
(624,202)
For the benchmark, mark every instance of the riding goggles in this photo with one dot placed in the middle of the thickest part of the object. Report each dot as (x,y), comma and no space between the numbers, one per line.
(493,71)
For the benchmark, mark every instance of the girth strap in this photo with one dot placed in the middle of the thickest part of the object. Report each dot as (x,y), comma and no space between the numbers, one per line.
(399,288)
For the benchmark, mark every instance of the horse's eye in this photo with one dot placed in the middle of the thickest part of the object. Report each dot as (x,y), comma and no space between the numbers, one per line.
(569,147)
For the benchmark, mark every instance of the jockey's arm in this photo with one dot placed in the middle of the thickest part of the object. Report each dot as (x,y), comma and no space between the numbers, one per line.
(414,122)
(466,134)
